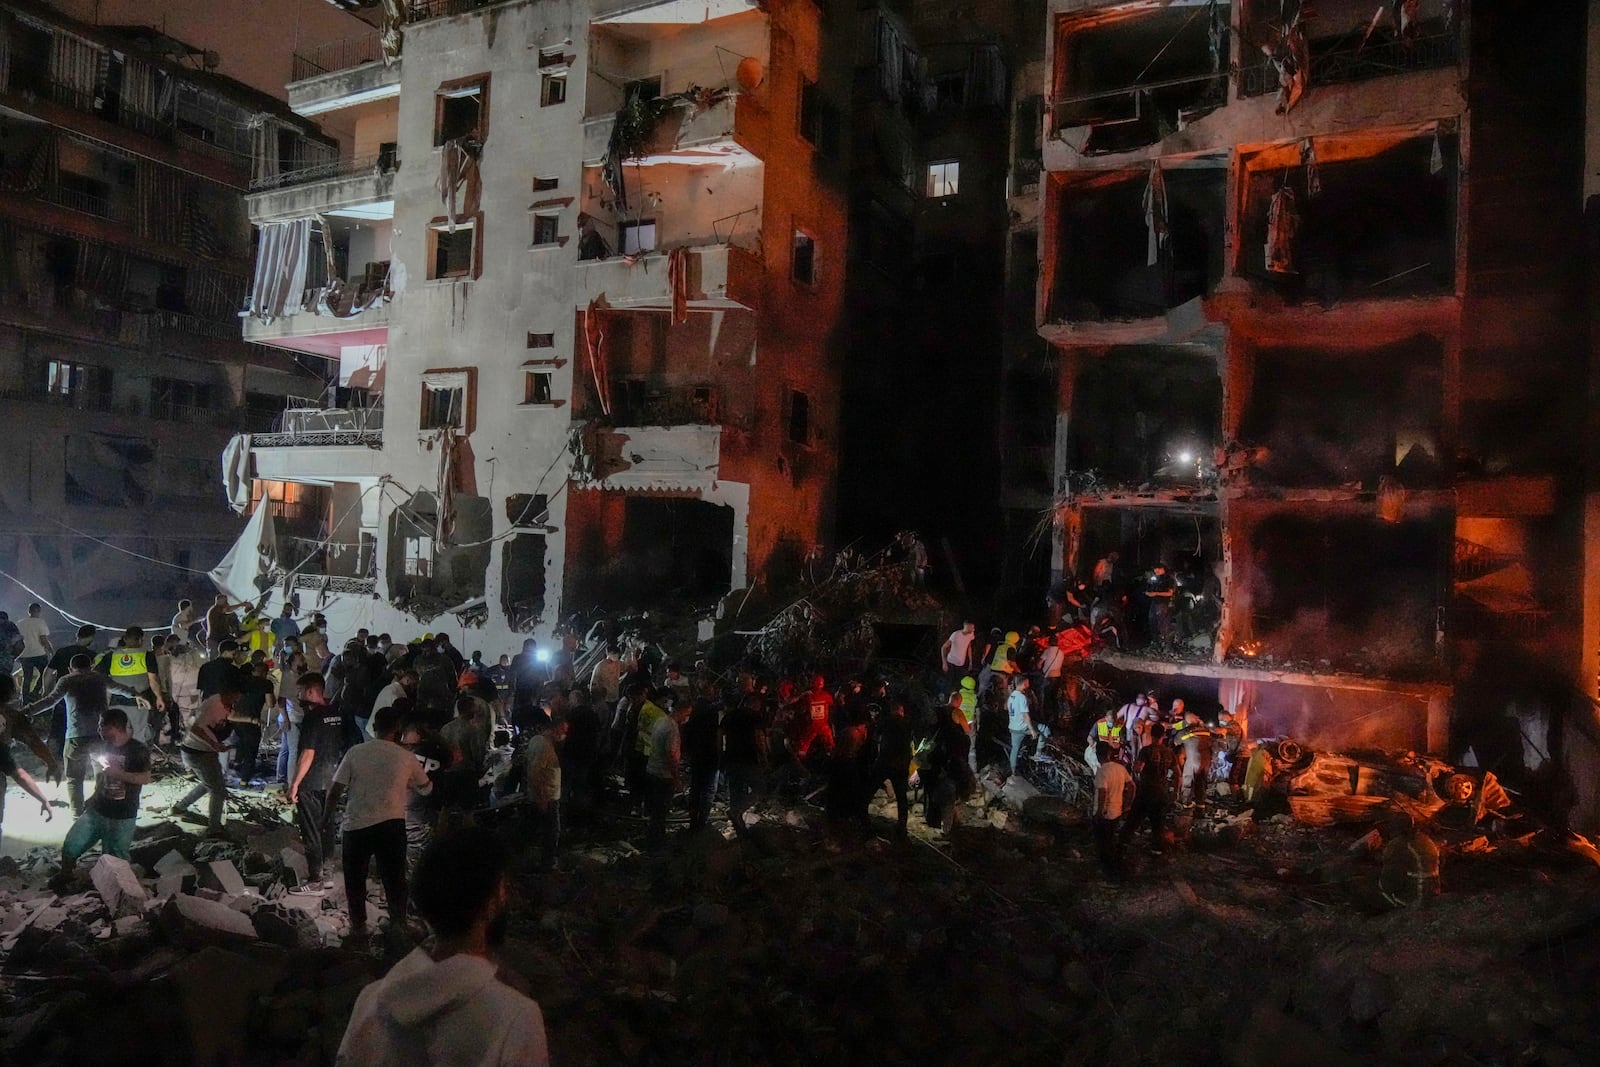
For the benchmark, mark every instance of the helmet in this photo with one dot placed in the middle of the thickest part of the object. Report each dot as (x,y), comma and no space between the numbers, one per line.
(969,682)
(1012,637)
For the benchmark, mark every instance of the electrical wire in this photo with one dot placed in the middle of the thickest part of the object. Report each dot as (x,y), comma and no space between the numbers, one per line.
(129,551)
(65,614)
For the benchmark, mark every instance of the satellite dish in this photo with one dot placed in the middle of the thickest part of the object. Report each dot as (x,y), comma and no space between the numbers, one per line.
(750,73)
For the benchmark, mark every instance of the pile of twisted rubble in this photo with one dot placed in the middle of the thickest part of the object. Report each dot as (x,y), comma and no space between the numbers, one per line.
(1261,938)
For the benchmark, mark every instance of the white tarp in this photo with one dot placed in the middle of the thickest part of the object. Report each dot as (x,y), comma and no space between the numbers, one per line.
(244,571)
(279,285)
(236,475)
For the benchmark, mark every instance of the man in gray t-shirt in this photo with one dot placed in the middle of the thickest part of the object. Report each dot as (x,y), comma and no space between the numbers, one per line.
(87,694)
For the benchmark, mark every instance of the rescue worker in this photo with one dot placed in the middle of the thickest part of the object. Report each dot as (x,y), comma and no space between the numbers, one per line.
(1003,661)
(966,701)
(816,712)
(131,667)
(1187,738)
(1108,729)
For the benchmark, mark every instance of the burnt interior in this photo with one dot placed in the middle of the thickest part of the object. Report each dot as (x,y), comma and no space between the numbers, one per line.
(1348,592)
(522,580)
(1132,78)
(643,551)
(1341,418)
(454,567)
(1146,416)
(1102,256)
(1346,42)
(1377,227)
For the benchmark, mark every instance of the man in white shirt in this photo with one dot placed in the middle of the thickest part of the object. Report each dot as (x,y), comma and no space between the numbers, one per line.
(1112,784)
(449,1006)
(404,687)
(956,652)
(663,771)
(377,776)
(36,651)
(605,681)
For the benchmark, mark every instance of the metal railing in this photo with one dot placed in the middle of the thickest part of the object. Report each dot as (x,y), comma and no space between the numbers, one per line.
(100,207)
(184,322)
(331,583)
(1353,63)
(343,54)
(120,112)
(422,10)
(78,401)
(380,164)
(299,427)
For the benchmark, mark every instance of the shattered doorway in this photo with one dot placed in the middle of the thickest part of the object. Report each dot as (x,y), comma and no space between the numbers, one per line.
(522,581)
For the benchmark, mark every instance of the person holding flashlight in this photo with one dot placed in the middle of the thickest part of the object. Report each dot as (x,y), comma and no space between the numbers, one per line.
(122,769)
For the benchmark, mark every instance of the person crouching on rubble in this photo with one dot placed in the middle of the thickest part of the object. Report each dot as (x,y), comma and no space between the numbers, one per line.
(123,768)
(449,1006)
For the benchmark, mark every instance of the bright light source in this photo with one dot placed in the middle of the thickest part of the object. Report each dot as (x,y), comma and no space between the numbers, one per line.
(1185,457)
(542,655)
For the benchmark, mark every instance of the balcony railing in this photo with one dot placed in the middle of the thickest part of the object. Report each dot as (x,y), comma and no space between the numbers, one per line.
(300,427)
(122,113)
(356,51)
(77,401)
(1353,63)
(84,203)
(422,10)
(383,163)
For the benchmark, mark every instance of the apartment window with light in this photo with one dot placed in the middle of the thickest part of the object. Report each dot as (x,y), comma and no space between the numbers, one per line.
(461,109)
(453,253)
(803,259)
(638,237)
(546,229)
(944,178)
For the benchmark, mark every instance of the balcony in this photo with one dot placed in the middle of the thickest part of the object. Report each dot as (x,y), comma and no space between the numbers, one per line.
(685,133)
(655,457)
(1345,61)
(322,329)
(683,12)
(322,427)
(361,188)
(719,277)
(320,445)
(99,207)
(342,74)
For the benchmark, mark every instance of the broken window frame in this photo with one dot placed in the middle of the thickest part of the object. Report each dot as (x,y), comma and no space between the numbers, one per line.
(803,258)
(475,86)
(458,416)
(629,234)
(538,388)
(546,229)
(419,557)
(552,89)
(439,230)
(797,408)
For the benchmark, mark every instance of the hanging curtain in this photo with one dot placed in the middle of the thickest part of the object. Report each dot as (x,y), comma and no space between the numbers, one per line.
(263,148)
(102,272)
(890,55)
(279,284)
(158,203)
(393,29)
(1155,215)
(986,76)
(76,65)
(594,339)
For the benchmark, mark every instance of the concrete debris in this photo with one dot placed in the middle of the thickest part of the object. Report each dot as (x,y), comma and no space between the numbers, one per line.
(294,862)
(118,886)
(1017,792)
(173,862)
(182,914)
(224,876)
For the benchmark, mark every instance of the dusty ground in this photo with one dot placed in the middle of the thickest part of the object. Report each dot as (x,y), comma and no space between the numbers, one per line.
(1256,944)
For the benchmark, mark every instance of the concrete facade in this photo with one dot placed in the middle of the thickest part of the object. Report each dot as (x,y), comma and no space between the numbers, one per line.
(121,367)
(607,451)
(1324,442)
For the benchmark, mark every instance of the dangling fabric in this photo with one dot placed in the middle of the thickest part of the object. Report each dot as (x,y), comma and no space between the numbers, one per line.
(460,186)
(392,34)
(1155,215)
(1308,160)
(279,284)
(1283,228)
(678,280)
(594,346)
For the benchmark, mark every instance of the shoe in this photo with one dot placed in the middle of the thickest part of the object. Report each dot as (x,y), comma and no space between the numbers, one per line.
(307,888)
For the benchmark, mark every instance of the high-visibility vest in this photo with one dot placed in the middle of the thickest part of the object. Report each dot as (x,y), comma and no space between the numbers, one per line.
(128,663)
(1001,661)
(1106,731)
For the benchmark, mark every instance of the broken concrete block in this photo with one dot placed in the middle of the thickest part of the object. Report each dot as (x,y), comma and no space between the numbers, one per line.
(182,911)
(173,861)
(128,924)
(50,918)
(246,902)
(169,885)
(118,886)
(286,927)
(1016,792)
(224,876)
(295,863)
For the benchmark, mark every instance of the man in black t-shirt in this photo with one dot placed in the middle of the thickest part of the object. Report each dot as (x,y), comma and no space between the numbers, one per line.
(744,755)
(123,769)
(249,716)
(221,674)
(321,744)
(59,667)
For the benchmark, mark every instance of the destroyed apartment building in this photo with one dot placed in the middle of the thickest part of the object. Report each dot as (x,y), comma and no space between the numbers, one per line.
(573,286)
(1304,272)
(126,255)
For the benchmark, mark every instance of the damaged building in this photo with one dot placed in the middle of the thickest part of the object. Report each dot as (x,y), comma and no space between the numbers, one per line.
(1302,275)
(572,285)
(126,254)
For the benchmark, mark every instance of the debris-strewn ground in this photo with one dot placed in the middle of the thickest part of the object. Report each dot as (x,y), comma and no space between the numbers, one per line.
(1252,943)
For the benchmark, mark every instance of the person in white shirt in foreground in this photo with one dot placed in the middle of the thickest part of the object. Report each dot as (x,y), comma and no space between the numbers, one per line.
(447,1007)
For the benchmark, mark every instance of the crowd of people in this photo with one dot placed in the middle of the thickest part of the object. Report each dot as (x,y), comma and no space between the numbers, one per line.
(1165,606)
